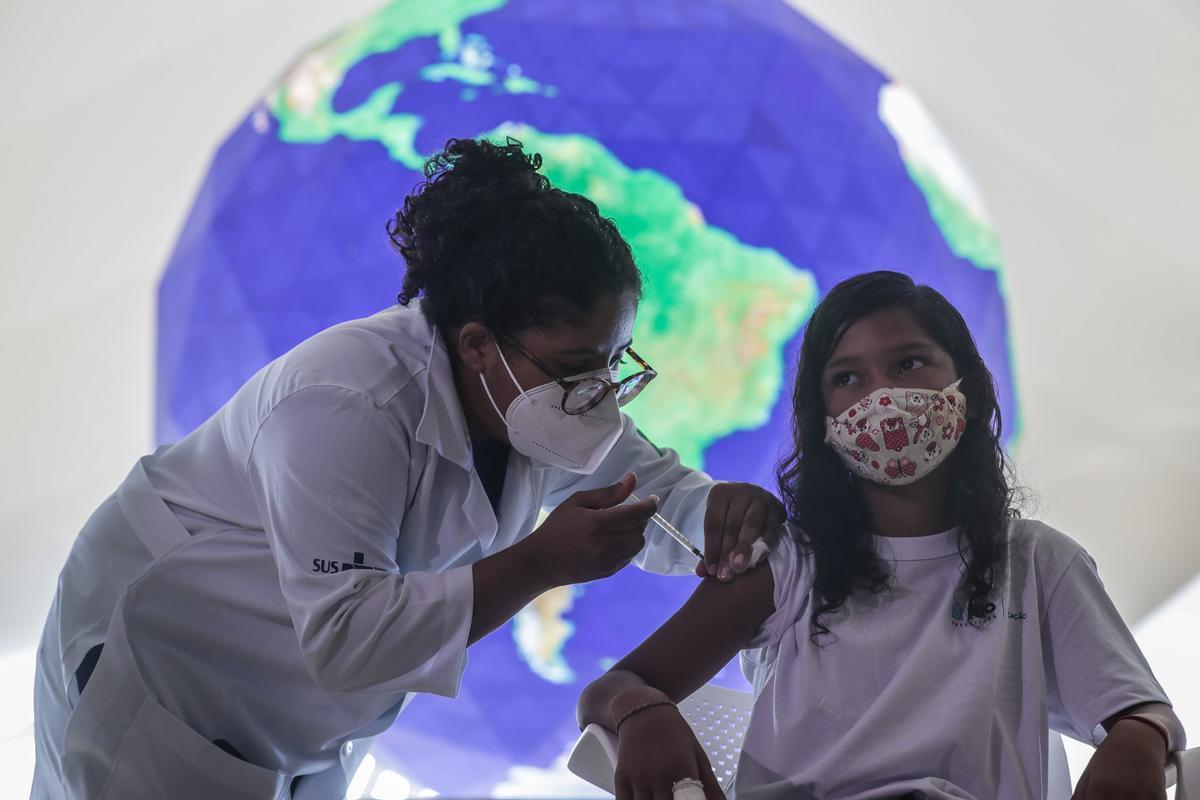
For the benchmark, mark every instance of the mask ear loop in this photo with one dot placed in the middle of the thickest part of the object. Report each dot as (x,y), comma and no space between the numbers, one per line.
(491,399)
(513,378)
(508,369)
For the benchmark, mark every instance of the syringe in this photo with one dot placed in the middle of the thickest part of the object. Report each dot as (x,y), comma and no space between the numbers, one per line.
(672,531)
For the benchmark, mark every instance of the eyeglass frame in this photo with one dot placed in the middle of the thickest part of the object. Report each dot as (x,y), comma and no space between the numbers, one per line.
(569,386)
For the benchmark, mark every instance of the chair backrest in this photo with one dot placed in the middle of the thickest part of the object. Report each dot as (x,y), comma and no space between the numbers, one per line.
(719,717)
(1058,778)
(1186,775)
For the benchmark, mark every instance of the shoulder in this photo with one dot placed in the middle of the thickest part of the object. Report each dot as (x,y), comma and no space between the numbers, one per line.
(1041,539)
(376,357)
(794,550)
(791,566)
(1042,550)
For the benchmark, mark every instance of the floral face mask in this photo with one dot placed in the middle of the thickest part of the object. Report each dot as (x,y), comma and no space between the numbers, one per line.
(898,436)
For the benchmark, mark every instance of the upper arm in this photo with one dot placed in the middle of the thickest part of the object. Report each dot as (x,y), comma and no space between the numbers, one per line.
(328,469)
(717,621)
(1095,666)
(323,469)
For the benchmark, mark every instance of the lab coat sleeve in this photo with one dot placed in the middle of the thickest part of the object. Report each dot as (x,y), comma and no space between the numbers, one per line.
(682,493)
(327,469)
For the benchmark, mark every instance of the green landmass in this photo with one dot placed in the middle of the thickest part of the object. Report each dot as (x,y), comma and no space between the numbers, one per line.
(716,312)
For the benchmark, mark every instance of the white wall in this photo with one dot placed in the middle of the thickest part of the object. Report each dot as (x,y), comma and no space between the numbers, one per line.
(111,114)
(1078,118)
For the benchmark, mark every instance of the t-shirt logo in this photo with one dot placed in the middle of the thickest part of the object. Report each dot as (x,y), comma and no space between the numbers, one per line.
(976,613)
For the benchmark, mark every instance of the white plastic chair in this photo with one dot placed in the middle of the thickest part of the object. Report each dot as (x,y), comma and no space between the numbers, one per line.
(720,716)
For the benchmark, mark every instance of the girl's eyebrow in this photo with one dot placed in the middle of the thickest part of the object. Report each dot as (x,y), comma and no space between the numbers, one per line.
(841,362)
(916,344)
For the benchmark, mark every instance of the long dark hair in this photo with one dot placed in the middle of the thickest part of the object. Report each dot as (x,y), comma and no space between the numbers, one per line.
(487,238)
(822,496)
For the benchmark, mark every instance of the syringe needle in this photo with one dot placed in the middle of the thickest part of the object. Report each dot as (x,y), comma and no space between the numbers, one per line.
(672,531)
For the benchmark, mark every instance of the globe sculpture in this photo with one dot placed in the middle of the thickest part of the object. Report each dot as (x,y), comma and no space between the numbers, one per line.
(751,161)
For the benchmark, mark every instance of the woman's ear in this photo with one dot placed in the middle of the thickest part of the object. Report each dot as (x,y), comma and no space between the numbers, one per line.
(475,344)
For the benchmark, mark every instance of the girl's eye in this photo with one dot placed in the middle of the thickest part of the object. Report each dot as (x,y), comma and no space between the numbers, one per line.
(911,363)
(843,378)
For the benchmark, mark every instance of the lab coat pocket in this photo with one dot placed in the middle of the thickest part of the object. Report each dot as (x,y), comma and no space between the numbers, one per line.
(161,756)
(121,743)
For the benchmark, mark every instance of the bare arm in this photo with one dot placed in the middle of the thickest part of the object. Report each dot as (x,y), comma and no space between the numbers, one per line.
(504,583)
(1129,762)
(1163,717)
(717,621)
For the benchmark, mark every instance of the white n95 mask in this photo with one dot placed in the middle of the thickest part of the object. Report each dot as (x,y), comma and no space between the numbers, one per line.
(898,436)
(539,428)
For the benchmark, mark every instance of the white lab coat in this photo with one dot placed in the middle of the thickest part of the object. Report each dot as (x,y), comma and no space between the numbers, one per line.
(288,574)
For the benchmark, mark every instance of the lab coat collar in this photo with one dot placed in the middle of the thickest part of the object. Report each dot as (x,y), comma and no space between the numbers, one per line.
(443,425)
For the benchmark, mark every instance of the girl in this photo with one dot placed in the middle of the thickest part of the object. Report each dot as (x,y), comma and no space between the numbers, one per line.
(262,595)
(911,637)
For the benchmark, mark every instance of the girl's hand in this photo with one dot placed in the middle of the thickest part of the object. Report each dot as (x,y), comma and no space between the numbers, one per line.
(1128,765)
(655,749)
(737,515)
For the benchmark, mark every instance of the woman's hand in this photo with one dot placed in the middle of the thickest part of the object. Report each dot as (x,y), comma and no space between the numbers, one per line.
(591,535)
(655,749)
(738,514)
(1128,765)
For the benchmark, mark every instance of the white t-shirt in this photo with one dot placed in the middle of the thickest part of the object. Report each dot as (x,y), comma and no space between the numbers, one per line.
(909,697)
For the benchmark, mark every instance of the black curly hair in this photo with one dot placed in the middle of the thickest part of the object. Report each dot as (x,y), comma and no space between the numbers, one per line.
(822,496)
(487,238)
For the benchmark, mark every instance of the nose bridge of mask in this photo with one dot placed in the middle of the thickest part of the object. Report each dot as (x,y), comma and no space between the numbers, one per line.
(896,394)
(901,395)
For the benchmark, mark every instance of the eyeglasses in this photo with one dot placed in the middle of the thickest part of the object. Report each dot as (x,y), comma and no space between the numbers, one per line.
(581,396)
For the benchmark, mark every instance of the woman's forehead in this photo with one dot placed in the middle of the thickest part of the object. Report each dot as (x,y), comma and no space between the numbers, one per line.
(605,328)
(881,333)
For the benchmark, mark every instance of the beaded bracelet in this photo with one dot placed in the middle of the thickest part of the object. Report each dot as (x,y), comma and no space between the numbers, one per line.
(651,704)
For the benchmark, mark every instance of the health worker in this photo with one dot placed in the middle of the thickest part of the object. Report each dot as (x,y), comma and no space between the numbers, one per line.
(258,600)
